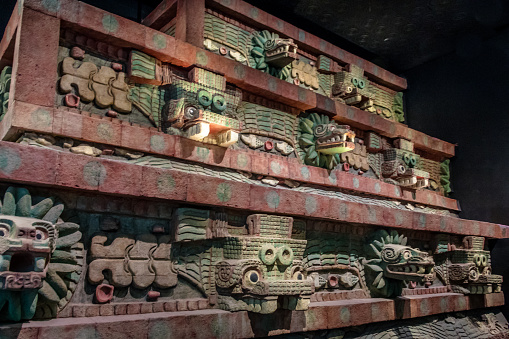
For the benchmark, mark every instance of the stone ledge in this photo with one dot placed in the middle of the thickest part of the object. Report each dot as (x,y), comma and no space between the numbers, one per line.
(110,309)
(424,305)
(39,166)
(89,20)
(84,126)
(222,324)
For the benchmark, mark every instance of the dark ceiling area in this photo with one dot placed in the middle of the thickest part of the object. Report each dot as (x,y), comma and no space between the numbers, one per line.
(400,34)
(395,34)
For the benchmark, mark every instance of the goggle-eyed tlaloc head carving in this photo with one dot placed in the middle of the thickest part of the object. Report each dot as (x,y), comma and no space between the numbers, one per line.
(204,112)
(399,165)
(262,285)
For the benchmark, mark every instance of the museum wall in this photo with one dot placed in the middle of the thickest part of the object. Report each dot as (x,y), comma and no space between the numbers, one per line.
(462,98)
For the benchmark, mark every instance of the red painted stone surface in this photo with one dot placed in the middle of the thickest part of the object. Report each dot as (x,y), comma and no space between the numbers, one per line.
(35,59)
(216,323)
(120,178)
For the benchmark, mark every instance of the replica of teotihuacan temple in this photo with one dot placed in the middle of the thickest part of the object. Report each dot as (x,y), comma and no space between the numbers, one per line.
(216,172)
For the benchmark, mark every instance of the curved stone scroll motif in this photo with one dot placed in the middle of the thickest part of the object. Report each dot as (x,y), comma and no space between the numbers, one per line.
(104,86)
(139,261)
(40,257)
(390,262)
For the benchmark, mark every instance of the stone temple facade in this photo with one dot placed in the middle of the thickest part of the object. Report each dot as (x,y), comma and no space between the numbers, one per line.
(215,172)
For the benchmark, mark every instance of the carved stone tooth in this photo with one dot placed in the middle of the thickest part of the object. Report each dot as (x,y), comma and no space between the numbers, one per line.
(421,270)
(407,269)
(199,131)
(250,304)
(285,303)
(413,268)
(268,306)
(257,306)
(302,304)
(227,138)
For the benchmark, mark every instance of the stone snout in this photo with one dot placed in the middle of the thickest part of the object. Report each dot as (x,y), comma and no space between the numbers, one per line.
(400,167)
(414,178)
(410,264)
(211,129)
(202,124)
(339,140)
(280,52)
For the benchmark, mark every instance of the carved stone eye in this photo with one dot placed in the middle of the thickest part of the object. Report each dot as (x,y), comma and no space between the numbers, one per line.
(268,254)
(251,277)
(191,112)
(406,158)
(41,234)
(401,169)
(298,276)
(219,102)
(413,161)
(407,255)
(4,230)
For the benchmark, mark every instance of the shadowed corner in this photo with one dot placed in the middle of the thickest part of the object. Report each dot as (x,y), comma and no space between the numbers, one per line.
(279,322)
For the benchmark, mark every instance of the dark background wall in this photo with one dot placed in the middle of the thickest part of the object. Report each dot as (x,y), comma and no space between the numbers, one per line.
(463,98)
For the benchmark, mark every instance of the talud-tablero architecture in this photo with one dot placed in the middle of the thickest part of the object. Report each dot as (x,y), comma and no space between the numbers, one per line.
(217,172)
